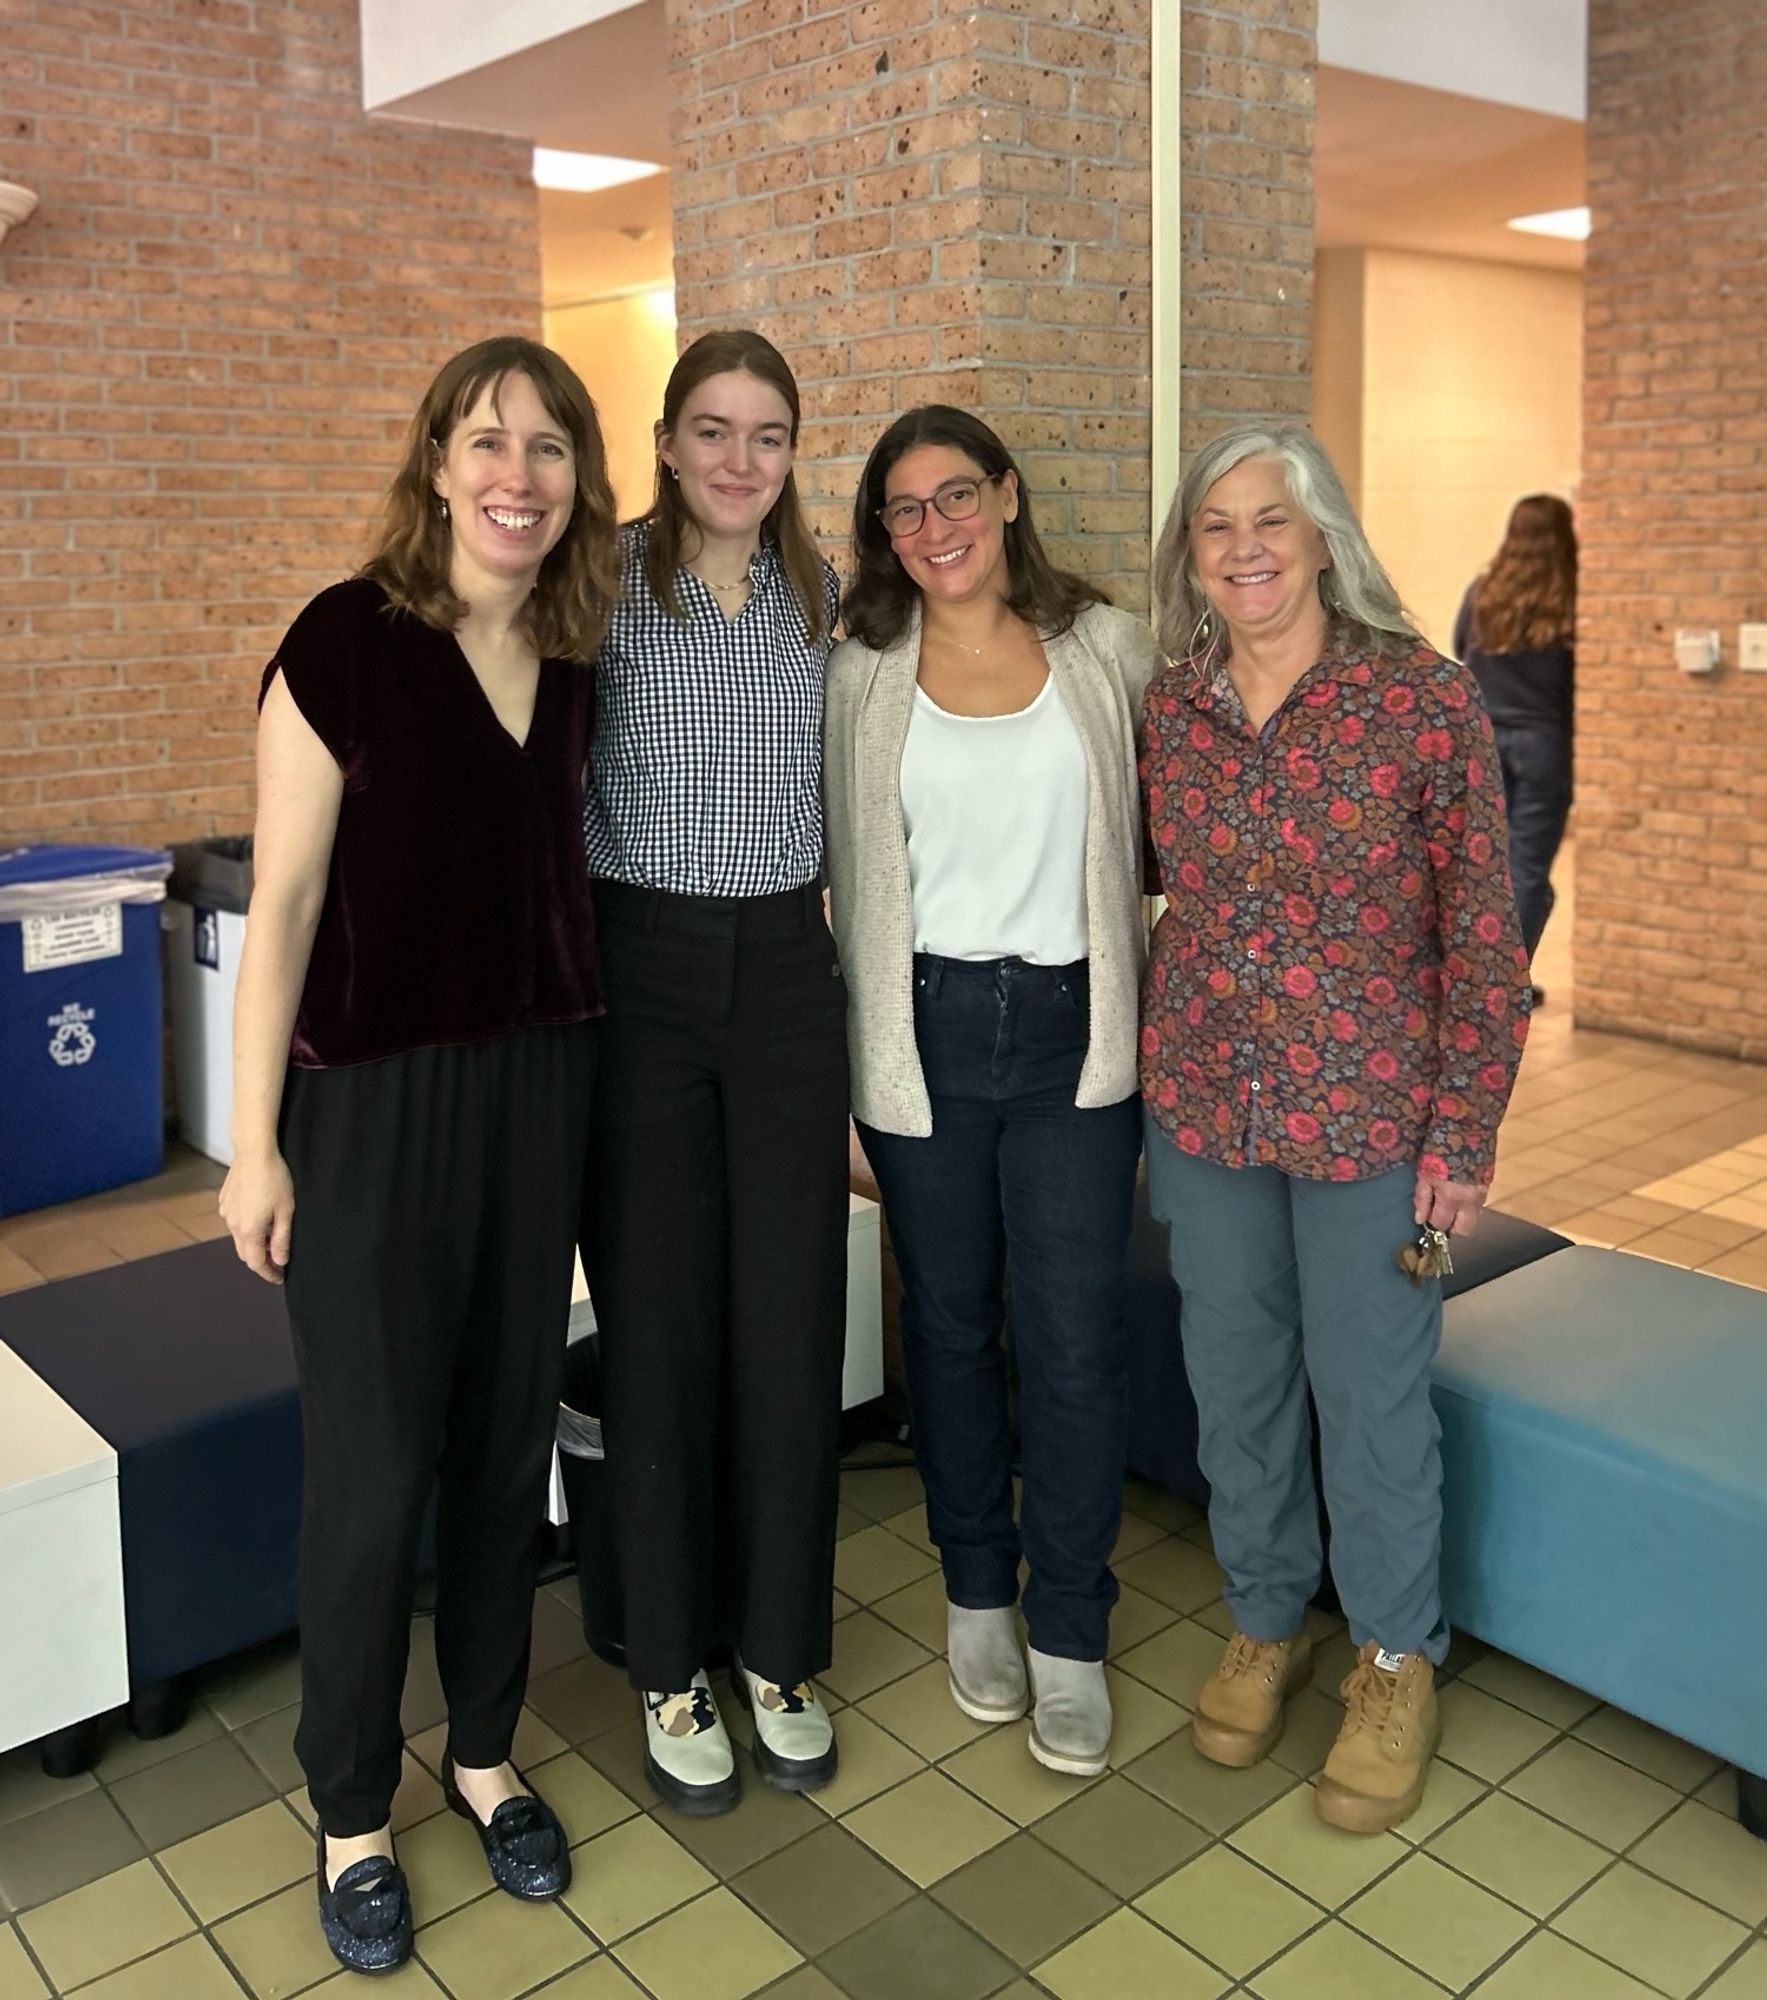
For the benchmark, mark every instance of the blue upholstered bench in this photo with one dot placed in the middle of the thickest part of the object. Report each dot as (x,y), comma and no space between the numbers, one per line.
(182,1363)
(1604,1440)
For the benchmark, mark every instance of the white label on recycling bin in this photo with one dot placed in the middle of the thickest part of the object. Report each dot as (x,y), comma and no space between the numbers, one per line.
(71,1040)
(71,937)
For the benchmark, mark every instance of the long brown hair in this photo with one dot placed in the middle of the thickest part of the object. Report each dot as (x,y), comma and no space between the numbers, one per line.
(673,536)
(1528,597)
(881,597)
(579,579)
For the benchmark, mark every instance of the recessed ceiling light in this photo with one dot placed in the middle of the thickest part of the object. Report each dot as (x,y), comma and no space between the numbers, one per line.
(1570,223)
(586,173)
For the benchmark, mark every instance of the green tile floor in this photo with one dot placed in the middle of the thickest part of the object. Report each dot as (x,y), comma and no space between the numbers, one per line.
(1564,1851)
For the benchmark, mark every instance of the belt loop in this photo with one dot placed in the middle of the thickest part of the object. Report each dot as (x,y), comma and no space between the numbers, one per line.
(653,907)
(932,975)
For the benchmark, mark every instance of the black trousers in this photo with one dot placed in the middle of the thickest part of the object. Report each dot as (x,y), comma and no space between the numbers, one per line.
(429,1280)
(714,1241)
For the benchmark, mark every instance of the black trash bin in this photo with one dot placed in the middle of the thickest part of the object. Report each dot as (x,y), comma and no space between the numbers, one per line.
(209,893)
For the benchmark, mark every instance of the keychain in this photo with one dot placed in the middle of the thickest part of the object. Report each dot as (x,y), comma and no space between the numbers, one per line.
(1426,1255)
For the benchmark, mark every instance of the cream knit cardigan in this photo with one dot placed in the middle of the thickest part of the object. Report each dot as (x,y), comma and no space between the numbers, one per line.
(1101,667)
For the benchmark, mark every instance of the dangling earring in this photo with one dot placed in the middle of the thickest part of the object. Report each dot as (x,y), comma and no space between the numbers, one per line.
(444,513)
(674,471)
(1203,636)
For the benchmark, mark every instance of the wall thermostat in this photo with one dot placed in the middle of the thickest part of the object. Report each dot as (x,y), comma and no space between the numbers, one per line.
(1696,652)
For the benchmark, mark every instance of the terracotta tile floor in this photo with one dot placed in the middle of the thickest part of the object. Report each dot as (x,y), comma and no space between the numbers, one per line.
(1564,1850)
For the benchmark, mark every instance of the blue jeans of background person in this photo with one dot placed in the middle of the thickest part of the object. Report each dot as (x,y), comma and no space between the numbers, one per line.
(1288,1282)
(1536,762)
(1016,1184)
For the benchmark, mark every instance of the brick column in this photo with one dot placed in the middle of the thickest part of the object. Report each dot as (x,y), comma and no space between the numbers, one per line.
(1247,201)
(920,201)
(1671,925)
(926,203)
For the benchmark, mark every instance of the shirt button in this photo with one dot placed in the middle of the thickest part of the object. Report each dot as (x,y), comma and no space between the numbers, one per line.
(1256,1085)
(1253,952)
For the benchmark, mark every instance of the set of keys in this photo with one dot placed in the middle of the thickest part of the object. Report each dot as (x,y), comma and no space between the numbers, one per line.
(1426,1256)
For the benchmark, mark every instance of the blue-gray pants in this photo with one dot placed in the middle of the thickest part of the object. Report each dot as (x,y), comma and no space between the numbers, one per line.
(1290,1283)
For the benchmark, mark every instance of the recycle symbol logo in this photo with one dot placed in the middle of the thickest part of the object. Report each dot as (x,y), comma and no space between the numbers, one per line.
(73,1041)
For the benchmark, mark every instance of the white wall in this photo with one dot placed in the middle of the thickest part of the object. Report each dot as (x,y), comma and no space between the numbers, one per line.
(623,348)
(409,45)
(1453,387)
(1533,53)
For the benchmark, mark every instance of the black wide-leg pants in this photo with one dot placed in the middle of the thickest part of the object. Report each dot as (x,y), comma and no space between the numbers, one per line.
(429,1278)
(714,1241)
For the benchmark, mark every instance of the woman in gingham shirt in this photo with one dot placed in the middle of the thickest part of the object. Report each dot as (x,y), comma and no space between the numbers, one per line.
(714,1233)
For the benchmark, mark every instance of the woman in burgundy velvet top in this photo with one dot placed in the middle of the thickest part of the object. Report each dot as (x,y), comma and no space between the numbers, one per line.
(413,1053)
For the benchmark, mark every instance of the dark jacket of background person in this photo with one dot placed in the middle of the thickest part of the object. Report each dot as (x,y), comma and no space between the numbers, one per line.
(1521,656)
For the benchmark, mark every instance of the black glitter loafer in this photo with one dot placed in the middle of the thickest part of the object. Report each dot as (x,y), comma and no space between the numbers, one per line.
(366,1914)
(524,1843)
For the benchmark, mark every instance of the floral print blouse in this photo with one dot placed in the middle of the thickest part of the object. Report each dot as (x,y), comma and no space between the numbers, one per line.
(1340,988)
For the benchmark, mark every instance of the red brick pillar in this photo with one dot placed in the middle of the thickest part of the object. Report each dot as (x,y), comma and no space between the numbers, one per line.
(920,203)
(1247,149)
(1671,924)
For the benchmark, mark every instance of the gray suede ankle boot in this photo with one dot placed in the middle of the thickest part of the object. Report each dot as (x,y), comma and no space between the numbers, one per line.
(1071,1721)
(987,1670)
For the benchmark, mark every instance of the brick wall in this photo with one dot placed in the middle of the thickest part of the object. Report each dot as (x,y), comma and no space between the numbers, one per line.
(211,336)
(1247,204)
(927,202)
(1671,926)
(923,200)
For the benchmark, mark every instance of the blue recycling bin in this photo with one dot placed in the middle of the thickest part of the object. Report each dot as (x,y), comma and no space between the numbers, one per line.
(80,1047)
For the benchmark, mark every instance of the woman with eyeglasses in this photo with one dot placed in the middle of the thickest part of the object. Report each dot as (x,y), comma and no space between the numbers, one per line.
(984,860)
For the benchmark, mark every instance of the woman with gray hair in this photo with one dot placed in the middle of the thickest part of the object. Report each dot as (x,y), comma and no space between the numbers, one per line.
(1332,1015)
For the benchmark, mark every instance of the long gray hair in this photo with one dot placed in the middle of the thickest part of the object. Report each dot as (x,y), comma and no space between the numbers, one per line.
(1355,590)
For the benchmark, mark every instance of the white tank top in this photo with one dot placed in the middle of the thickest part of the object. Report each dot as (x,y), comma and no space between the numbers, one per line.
(995,811)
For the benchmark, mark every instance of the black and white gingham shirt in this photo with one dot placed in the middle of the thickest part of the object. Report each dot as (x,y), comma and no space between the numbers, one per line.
(706,765)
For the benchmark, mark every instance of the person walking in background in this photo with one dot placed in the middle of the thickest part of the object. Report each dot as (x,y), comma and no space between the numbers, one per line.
(413,1055)
(1333,1011)
(715,1214)
(984,868)
(1516,633)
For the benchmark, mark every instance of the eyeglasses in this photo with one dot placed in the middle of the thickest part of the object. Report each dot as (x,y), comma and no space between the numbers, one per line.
(956,500)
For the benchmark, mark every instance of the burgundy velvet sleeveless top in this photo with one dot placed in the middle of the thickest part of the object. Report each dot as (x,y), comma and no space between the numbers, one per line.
(457,905)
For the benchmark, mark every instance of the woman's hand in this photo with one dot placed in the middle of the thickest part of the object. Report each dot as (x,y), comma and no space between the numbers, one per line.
(1451,1206)
(257,1205)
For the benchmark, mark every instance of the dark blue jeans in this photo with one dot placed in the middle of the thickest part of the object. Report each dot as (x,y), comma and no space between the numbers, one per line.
(1536,763)
(1015,1183)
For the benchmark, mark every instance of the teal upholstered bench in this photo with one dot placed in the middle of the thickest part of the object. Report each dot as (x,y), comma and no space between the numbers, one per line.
(1604,1440)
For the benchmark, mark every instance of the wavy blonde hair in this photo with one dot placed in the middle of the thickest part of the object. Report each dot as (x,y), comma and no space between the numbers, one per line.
(574,594)
(1355,590)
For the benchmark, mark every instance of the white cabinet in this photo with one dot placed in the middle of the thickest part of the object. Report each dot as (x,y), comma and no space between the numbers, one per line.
(63,1650)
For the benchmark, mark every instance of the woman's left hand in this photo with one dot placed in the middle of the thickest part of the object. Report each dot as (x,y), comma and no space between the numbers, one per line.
(1451,1206)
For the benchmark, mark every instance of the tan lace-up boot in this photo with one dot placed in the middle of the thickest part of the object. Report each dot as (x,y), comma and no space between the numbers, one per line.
(1239,1713)
(1375,1775)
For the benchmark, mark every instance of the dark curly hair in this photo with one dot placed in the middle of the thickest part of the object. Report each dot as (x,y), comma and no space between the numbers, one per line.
(881,597)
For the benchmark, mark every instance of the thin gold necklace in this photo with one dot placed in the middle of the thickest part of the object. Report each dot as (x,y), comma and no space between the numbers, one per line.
(975,652)
(723,589)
